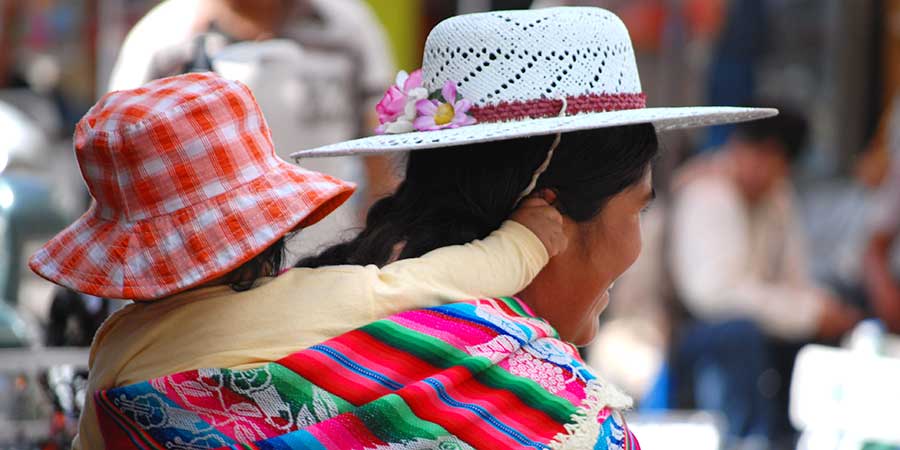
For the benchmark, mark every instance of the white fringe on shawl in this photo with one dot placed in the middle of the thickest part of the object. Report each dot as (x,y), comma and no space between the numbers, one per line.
(584,429)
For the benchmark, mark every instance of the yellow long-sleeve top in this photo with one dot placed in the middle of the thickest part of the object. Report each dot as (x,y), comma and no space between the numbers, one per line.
(218,327)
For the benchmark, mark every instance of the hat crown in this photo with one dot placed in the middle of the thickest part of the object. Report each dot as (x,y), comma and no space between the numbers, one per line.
(522,56)
(170,144)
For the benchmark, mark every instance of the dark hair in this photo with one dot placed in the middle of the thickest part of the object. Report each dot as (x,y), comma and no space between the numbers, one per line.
(454,196)
(265,264)
(788,128)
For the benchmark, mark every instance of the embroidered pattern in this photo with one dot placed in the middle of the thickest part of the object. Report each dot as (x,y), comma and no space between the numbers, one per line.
(481,374)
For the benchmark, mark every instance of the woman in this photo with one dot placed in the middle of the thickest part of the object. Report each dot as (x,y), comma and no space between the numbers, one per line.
(600,180)
(525,102)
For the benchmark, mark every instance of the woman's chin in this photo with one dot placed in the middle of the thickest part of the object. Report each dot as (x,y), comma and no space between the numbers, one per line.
(585,341)
(590,329)
(587,334)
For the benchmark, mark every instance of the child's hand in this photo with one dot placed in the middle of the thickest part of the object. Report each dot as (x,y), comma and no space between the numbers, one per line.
(544,221)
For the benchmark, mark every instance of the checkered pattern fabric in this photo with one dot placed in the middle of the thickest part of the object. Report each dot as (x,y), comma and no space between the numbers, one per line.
(186,188)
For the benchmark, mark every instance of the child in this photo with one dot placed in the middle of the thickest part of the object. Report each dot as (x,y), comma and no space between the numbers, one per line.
(192,207)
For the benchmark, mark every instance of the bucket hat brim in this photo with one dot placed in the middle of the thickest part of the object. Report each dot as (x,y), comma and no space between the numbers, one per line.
(163,255)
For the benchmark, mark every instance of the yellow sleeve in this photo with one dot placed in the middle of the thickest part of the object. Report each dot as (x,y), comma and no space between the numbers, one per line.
(501,264)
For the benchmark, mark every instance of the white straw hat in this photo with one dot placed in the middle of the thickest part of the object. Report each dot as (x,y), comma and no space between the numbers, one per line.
(525,73)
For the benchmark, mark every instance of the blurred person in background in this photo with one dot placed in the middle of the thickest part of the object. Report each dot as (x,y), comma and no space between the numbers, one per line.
(317,68)
(879,274)
(739,268)
(736,55)
(74,318)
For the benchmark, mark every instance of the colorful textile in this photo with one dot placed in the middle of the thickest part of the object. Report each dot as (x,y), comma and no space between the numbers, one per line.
(186,188)
(479,374)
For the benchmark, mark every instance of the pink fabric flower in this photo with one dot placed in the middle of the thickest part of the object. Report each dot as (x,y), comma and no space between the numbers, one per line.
(396,110)
(391,105)
(435,115)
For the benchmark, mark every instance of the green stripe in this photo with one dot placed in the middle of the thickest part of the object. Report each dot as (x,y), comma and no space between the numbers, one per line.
(529,392)
(293,386)
(443,355)
(391,420)
(516,306)
(427,348)
(294,390)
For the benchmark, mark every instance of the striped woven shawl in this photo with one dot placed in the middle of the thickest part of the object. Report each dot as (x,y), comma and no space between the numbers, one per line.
(479,374)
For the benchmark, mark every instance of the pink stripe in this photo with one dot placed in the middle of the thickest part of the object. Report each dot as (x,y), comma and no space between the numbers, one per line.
(331,435)
(345,431)
(213,404)
(455,332)
(574,392)
(524,306)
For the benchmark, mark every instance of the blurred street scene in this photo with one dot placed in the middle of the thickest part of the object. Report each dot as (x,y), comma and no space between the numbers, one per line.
(764,311)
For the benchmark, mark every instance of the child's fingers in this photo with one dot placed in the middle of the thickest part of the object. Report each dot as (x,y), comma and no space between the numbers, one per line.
(549,195)
(549,213)
(557,244)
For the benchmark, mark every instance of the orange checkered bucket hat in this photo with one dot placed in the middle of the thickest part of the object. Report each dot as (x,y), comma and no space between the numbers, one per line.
(186,188)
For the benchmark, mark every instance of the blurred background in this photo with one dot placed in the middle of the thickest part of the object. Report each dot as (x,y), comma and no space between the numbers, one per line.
(764,309)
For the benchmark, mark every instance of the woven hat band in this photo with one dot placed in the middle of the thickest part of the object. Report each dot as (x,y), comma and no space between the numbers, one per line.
(547,107)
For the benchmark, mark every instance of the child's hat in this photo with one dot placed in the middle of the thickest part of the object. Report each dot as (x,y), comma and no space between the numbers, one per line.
(186,188)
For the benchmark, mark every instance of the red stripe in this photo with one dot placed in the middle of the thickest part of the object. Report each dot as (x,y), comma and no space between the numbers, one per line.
(376,355)
(464,424)
(509,310)
(467,425)
(546,107)
(505,406)
(334,378)
(405,368)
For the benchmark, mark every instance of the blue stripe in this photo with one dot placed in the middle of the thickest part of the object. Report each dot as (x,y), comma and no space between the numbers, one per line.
(146,412)
(297,440)
(607,430)
(619,428)
(483,414)
(456,311)
(346,362)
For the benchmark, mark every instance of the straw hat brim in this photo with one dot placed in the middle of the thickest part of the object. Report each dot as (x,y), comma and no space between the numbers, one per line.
(662,118)
(191,246)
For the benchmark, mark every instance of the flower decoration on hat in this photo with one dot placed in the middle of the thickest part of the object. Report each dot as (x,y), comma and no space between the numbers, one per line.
(407,106)
(449,113)
(397,109)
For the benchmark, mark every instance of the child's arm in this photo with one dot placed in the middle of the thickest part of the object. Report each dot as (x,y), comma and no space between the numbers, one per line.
(501,264)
